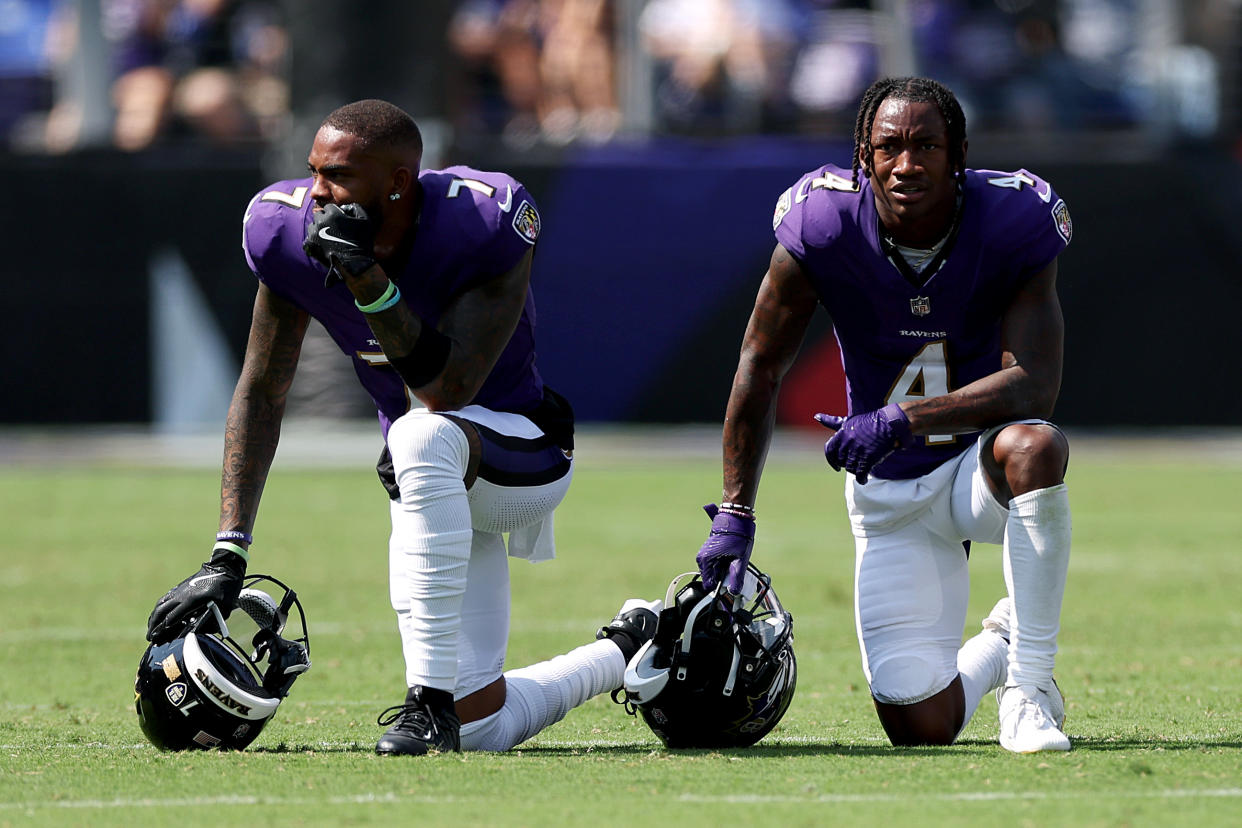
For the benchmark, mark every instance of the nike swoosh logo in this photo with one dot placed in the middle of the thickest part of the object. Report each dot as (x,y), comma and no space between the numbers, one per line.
(327,236)
(204,578)
(508,202)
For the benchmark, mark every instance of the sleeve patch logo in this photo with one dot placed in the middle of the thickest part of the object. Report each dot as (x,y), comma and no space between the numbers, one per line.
(1061,216)
(782,207)
(526,221)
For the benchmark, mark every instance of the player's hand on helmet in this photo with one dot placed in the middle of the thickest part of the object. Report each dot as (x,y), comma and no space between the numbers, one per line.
(219,580)
(343,238)
(863,441)
(726,552)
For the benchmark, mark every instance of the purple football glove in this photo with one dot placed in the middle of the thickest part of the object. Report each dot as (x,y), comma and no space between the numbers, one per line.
(726,552)
(864,440)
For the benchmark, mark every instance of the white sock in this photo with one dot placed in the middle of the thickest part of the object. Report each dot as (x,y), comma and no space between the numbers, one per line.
(430,545)
(1036,558)
(540,695)
(982,663)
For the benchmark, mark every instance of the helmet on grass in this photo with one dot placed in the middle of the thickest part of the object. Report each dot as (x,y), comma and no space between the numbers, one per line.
(204,690)
(720,671)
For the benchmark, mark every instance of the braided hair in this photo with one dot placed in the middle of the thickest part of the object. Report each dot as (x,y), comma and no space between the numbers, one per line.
(915,90)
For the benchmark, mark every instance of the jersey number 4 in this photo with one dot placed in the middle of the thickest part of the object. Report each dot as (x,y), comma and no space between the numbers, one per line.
(925,375)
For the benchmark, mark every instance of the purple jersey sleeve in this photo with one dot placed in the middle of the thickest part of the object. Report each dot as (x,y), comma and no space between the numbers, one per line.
(804,231)
(488,214)
(900,341)
(272,232)
(1029,223)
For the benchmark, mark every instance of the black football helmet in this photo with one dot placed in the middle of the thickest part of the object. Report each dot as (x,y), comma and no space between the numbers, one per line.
(204,690)
(720,671)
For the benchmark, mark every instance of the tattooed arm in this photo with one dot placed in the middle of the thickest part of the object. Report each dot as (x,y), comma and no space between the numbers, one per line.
(1029,379)
(478,324)
(253,426)
(783,309)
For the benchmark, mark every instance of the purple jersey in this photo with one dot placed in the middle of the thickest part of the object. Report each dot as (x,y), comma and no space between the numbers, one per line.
(900,342)
(474,226)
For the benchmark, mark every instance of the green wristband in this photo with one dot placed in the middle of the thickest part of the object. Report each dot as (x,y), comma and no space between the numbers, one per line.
(231,547)
(389,298)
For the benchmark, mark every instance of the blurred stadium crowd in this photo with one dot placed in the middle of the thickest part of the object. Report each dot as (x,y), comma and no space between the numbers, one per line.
(136,74)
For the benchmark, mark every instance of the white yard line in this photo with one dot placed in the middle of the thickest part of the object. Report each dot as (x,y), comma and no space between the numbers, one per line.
(388,797)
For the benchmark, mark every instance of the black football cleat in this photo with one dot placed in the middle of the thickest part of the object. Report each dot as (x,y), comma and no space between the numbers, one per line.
(427,722)
(633,626)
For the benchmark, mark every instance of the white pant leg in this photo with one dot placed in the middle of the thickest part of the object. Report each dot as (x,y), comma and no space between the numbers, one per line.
(912,581)
(540,695)
(451,639)
(911,591)
(429,549)
(484,634)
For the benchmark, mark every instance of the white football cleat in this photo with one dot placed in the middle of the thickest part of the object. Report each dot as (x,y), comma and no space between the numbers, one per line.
(1031,719)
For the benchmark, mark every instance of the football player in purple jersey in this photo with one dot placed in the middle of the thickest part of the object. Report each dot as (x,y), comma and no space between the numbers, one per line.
(941,284)
(422,278)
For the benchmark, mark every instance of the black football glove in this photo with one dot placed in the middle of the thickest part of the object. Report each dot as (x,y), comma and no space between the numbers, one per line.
(343,238)
(219,580)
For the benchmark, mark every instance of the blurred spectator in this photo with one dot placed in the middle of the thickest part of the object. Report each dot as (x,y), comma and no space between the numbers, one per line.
(25,62)
(210,67)
(720,65)
(1012,67)
(839,60)
(537,69)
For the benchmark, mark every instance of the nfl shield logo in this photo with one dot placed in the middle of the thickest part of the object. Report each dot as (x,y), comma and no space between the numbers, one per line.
(175,693)
(920,306)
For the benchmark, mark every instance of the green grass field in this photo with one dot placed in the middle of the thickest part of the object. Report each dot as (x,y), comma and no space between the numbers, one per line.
(1151,658)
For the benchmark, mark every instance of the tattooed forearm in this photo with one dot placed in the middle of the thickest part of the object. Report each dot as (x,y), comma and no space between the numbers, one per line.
(478,323)
(396,329)
(1006,395)
(250,437)
(252,429)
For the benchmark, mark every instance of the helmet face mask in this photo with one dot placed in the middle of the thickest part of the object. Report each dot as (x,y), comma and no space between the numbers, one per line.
(720,671)
(204,689)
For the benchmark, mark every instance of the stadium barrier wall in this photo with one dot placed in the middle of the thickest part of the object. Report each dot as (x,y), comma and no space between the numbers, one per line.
(644,278)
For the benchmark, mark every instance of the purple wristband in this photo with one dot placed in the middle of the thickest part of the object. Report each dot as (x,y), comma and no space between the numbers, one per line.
(234,535)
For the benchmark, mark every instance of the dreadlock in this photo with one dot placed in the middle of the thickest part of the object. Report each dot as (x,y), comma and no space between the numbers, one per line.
(915,90)
(378,123)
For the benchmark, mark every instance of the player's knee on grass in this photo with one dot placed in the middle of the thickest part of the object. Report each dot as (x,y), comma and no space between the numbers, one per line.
(904,679)
(912,702)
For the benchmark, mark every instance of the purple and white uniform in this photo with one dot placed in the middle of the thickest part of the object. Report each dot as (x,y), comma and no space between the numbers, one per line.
(448,575)
(900,342)
(474,226)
